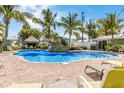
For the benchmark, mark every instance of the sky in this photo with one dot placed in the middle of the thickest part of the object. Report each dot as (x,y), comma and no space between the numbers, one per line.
(91,12)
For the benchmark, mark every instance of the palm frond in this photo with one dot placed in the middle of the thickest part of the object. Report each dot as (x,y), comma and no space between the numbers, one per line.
(37,20)
(2,10)
(2,27)
(18,16)
(66,31)
(53,18)
(28,15)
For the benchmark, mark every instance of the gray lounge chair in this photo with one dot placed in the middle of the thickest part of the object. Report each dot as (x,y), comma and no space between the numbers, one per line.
(98,69)
(112,62)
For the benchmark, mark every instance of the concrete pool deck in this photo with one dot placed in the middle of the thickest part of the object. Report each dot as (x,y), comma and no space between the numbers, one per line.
(20,71)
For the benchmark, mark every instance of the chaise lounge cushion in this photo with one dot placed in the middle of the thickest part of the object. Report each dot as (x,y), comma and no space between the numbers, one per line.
(114,79)
(95,84)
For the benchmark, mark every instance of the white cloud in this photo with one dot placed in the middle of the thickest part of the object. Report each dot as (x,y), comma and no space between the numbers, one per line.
(45,6)
(34,25)
(60,14)
(35,10)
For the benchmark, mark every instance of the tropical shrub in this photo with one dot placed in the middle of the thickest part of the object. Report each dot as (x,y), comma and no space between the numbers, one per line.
(93,47)
(64,42)
(58,48)
(15,47)
(107,47)
(74,48)
(1,49)
(83,47)
(44,46)
(114,48)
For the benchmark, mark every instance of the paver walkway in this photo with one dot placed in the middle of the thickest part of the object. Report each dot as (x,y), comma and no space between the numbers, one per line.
(19,71)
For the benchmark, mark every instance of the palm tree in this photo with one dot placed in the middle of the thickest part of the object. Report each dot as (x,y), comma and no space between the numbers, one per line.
(103,27)
(91,29)
(8,12)
(70,23)
(82,30)
(50,36)
(112,24)
(48,23)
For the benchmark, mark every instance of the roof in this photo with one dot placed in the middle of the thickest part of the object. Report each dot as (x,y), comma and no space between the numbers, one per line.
(31,39)
(104,38)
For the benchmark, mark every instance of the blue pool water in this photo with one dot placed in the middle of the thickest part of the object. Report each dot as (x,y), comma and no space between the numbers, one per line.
(46,56)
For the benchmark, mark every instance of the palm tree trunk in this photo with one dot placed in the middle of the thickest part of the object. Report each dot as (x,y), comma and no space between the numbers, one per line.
(82,25)
(6,34)
(69,43)
(82,37)
(89,32)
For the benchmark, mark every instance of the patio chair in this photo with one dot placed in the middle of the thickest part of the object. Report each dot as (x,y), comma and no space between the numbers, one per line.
(98,69)
(113,78)
(112,62)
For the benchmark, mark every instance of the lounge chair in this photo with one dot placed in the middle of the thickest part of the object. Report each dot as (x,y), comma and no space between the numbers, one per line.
(27,85)
(112,62)
(113,78)
(98,69)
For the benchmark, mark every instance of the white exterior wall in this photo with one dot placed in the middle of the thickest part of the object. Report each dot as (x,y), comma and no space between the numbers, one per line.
(84,44)
(88,45)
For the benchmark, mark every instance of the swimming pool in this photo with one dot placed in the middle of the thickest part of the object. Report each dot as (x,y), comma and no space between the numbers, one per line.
(54,57)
